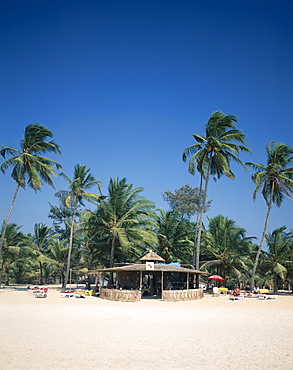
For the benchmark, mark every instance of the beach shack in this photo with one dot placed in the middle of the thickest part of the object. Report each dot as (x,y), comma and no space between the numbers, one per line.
(152,278)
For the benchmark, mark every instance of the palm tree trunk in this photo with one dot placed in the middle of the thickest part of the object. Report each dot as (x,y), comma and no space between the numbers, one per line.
(41,274)
(69,250)
(112,251)
(112,258)
(7,276)
(262,238)
(197,224)
(275,283)
(201,220)
(6,223)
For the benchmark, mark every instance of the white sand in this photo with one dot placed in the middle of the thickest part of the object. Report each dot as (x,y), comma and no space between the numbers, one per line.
(91,333)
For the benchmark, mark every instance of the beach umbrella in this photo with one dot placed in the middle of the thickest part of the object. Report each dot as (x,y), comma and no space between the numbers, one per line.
(216,278)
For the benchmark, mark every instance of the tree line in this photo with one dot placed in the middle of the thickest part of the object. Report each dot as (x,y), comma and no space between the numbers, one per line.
(123,225)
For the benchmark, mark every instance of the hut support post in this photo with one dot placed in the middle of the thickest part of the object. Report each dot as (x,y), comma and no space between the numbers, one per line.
(187,284)
(102,281)
(116,278)
(162,283)
(140,280)
(70,278)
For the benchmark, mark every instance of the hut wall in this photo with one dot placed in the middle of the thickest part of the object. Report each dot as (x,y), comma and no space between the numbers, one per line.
(121,295)
(128,280)
(182,295)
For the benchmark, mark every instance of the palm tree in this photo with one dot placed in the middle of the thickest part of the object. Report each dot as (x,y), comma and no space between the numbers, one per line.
(58,251)
(277,258)
(74,197)
(41,240)
(212,154)
(274,180)
(175,236)
(226,247)
(11,248)
(124,218)
(29,167)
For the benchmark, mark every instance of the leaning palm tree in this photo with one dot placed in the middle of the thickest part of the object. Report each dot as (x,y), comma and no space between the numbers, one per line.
(29,167)
(212,154)
(74,197)
(275,180)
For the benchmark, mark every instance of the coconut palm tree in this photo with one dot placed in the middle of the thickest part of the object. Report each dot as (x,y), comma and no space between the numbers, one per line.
(41,240)
(124,218)
(277,258)
(58,251)
(29,167)
(175,236)
(226,247)
(11,250)
(82,181)
(275,180)
(212,155)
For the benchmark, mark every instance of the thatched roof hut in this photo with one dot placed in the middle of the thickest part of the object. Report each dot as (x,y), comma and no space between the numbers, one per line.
(152,278)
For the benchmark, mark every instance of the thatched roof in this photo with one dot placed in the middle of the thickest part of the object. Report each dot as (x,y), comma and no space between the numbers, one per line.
(157,267)
(152,257)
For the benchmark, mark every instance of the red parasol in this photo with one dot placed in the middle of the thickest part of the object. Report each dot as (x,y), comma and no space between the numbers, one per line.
(216,278)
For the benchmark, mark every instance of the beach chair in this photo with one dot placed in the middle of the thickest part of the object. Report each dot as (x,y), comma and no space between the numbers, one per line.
(265,294)
(238,297)
(216,292)
(67,294)
(79,293)
(40,293)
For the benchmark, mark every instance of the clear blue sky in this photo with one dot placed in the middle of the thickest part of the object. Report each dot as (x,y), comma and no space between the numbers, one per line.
(124,84)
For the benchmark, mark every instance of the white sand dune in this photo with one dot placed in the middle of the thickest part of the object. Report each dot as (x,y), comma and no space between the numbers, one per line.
(91,333)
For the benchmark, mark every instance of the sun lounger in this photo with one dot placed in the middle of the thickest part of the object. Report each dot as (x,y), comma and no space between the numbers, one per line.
(79,293)
(238,297)
(67,294)
(40,292)
(267,296)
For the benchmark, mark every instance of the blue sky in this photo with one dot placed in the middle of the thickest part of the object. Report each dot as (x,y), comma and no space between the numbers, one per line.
(124,84)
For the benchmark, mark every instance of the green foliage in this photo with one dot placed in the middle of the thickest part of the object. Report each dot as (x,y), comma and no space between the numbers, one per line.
(186,200)
(11,248)
(226,248)
(28,166)
(218,148)
(212,155)
(78,192)
(124,221)
(175,237)
(274,180)
(278,258)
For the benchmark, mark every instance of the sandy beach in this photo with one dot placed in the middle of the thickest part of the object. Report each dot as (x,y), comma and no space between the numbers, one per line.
(91,333)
